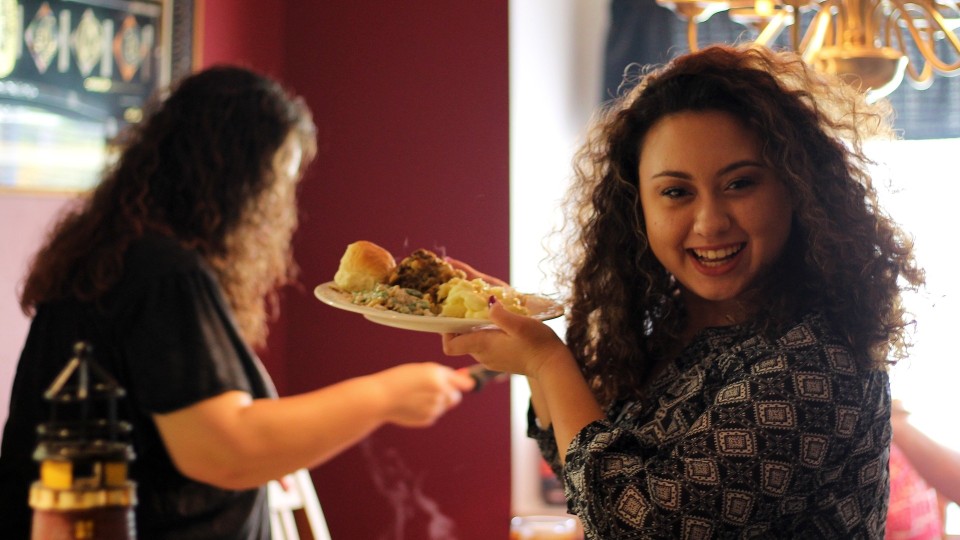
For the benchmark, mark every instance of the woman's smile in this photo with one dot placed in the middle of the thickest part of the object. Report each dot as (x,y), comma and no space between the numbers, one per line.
(717,260)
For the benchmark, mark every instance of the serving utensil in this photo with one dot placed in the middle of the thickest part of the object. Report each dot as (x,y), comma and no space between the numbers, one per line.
(481,375)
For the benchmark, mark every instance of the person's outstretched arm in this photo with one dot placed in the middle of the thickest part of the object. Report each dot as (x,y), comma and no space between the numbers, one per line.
(936,463)
(236,442)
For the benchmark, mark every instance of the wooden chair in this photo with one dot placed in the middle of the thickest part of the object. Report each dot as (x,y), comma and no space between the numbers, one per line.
(295,512)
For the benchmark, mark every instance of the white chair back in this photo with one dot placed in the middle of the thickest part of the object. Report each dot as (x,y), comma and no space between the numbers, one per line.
(295,512)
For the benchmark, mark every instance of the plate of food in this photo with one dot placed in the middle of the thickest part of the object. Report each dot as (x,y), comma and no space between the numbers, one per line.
(422,293)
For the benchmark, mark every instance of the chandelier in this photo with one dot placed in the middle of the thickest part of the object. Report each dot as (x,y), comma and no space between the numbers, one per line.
(863,41)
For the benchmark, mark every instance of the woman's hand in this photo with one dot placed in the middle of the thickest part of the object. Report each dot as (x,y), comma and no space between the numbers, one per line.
(520,344)
(418,394)
(561,397)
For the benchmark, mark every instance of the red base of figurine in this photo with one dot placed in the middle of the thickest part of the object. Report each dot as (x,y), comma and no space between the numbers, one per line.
(114,523)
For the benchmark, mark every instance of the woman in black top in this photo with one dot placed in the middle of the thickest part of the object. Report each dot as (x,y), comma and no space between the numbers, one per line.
(168,268)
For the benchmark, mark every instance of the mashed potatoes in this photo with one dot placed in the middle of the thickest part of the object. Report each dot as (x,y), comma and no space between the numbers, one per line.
(469,299)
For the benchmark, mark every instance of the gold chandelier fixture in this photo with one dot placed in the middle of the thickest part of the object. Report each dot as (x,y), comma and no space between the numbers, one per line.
(864,41)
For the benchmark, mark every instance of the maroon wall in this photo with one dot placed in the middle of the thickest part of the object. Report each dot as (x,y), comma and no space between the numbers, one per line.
(235,32)
(411,102)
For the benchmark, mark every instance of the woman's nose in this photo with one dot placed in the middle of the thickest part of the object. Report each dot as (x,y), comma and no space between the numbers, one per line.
(712,218)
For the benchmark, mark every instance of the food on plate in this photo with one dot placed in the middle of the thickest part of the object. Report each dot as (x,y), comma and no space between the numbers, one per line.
(469,299)
(395,298)
(424,271)
(363,265)
(421,284)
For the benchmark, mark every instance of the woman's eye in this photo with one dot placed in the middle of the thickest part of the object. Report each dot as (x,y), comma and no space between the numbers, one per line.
(741,183)
(673,192)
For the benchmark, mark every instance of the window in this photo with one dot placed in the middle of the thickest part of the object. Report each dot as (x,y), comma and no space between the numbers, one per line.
(918,188)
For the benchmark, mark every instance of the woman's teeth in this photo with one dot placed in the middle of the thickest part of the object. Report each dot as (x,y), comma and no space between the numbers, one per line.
(716,257)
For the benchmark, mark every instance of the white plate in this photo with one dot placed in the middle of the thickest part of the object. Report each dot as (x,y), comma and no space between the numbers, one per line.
(539,307)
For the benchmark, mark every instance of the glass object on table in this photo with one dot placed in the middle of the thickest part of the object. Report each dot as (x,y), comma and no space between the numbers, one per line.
(544,528)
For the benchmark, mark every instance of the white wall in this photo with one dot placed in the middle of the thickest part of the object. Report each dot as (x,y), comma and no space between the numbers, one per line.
(917,189)
(556,54)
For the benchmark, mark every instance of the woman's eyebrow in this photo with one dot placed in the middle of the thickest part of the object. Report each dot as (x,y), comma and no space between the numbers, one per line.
(731,167)
(742,163)
(671,174)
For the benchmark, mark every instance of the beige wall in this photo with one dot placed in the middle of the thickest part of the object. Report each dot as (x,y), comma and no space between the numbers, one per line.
(24,219)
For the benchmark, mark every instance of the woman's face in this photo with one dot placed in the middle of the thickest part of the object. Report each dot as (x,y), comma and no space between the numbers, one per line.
(717,217)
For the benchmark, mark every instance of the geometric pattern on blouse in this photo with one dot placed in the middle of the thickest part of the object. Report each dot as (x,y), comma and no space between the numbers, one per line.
(665,492)
(697,529)
(775,477)
(737,506)
(633,507)
(738,437)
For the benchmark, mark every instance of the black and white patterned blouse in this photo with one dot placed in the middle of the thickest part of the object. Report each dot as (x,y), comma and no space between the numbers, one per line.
(739,437)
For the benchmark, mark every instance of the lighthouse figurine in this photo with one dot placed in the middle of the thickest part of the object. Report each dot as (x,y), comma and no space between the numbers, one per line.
(83,492)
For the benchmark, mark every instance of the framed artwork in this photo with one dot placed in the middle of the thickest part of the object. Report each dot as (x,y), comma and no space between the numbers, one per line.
(73,74)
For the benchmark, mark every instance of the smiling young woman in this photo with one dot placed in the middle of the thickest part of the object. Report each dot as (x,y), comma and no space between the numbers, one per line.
(734,303)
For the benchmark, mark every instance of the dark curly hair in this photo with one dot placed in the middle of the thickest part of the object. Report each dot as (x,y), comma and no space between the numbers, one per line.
(845,258)
(199,168)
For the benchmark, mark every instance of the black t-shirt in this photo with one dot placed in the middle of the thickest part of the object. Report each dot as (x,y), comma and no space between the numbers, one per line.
(167,335)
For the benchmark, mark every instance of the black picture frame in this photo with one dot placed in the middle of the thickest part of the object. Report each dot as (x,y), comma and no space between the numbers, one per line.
(74,74)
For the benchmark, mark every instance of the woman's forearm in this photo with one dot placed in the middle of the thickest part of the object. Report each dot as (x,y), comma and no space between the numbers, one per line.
(235,442)
(539,405)
(937,464)
(566,400)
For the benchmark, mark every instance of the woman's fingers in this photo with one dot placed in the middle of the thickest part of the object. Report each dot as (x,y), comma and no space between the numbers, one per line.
(511,323)
(422,393)
(473,273)
(462,381)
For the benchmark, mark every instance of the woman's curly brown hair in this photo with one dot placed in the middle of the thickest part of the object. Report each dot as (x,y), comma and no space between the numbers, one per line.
(199,168)
(845,258)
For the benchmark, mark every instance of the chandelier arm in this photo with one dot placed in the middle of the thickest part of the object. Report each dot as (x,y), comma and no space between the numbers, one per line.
(772,29)
(816,32)
(922,77)
(795,27)
(926,50)
(939,22)
(692,39)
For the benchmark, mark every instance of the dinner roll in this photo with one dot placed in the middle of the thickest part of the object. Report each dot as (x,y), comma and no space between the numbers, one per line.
(363,265)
